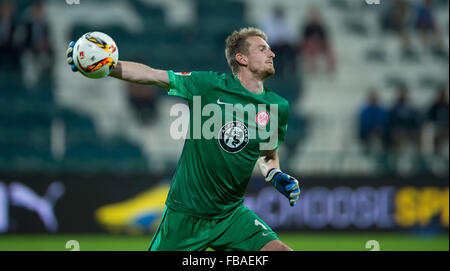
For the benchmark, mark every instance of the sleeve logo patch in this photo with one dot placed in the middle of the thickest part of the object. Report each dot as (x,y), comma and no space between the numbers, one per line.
(183,73)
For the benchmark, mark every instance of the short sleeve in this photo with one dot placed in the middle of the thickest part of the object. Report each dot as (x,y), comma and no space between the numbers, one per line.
(283,123)
(189,84)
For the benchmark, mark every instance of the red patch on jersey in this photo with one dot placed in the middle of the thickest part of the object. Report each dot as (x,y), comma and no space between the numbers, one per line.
(183,73)
(262,118)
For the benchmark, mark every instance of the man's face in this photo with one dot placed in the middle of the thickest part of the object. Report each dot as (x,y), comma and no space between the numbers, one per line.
(260,57)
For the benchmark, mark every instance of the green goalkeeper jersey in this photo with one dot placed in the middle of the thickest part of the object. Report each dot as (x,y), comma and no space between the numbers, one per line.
(229,129)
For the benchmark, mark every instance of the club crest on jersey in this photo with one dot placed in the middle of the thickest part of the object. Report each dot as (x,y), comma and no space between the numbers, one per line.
(233,136)
(262,118)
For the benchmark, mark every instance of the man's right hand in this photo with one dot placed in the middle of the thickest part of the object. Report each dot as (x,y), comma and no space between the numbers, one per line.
(69,55)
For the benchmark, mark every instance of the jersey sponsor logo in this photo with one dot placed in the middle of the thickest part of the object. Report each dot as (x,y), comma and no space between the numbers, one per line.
(262,118)
(183,73)
(233,136)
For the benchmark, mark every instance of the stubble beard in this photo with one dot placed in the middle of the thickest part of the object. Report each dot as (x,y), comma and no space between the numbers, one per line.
(268,73)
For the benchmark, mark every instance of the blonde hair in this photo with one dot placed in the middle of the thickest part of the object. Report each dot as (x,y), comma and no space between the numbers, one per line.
(237,43)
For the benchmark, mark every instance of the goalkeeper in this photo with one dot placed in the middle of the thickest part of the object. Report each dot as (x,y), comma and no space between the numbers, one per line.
(204,206)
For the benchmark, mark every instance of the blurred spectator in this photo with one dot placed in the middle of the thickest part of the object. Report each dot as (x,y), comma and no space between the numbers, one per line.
(8,50)
(425,25)
(438,115)
(315,43)
(282,41)
(424,21)
(372,123)
(395,18)
(143,100)
(404,123)
(37,57)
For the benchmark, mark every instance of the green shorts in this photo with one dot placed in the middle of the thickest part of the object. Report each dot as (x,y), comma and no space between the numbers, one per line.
(241,230)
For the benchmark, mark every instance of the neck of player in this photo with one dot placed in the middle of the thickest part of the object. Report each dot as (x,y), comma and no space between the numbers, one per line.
(250,81)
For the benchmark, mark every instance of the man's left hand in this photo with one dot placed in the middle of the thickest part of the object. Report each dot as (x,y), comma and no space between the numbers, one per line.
(285,184)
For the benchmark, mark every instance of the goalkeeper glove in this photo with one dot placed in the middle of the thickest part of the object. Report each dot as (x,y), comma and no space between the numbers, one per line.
(287,185)
(69,55)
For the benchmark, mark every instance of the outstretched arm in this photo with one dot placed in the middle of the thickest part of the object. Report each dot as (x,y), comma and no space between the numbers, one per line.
(131,71)
(140,74)
(269,164)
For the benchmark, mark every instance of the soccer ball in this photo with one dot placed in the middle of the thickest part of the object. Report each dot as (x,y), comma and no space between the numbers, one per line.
(95,54)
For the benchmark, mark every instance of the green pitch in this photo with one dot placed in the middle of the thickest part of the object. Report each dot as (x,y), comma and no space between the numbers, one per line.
(298,241)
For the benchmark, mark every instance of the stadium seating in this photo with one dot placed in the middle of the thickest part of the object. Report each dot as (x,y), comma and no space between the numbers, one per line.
(199,46)
(105,137)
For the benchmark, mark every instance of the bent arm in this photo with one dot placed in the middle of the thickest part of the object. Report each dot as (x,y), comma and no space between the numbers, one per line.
(267,161)
(141,74)
(269,164)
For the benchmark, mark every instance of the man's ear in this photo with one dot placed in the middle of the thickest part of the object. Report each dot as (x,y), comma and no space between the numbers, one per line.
(241,59)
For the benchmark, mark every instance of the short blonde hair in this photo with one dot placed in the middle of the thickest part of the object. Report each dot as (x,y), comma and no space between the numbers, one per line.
(237,43)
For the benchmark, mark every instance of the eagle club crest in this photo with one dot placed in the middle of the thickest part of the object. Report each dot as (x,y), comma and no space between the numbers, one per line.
(262,118)
(233,136)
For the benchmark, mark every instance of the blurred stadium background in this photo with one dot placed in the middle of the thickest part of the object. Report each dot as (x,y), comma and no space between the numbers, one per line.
(91,160)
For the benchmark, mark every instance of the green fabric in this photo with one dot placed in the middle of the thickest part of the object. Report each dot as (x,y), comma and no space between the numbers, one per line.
(241,230)
(213,173)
